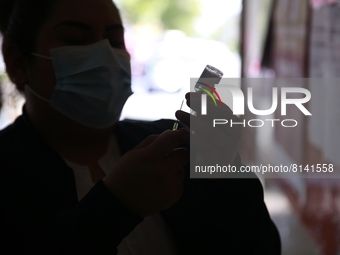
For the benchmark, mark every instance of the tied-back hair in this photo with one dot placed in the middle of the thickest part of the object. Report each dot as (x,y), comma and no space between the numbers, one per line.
(20,21)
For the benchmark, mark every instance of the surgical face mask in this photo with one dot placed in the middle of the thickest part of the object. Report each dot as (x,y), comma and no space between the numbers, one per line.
(93,83)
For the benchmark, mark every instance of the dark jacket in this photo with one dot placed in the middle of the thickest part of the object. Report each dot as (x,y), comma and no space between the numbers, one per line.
(40,213)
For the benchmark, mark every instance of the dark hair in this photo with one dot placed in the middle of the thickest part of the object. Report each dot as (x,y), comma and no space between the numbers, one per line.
(20,21)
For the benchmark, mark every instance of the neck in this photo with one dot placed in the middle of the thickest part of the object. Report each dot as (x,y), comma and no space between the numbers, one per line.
(71,140)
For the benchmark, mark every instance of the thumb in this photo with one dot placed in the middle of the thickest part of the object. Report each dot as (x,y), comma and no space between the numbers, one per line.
(178,158)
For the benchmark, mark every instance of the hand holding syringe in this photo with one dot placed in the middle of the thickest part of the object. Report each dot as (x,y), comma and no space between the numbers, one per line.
(211,144)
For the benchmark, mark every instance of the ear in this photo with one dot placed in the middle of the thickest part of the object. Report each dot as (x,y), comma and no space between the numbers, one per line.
(15,65)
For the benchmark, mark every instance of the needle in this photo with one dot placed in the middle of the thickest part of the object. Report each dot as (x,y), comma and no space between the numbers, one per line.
(175,127)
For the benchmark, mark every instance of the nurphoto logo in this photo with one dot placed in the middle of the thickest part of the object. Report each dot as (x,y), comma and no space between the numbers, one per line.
(238,104)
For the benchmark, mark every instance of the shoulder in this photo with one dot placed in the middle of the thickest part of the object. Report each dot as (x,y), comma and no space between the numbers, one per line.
(18,135)
(22,148)
(9,136)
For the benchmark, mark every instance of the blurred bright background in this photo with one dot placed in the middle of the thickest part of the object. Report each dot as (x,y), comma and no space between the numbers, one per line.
(170,41)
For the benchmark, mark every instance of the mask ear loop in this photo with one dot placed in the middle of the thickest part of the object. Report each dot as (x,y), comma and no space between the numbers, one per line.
(36,94)
(29,88)
(41,56)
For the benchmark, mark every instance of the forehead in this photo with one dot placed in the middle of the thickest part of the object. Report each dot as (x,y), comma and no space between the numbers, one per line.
(94,12)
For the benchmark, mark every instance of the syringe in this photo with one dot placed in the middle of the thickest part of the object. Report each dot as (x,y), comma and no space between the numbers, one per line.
(175,126)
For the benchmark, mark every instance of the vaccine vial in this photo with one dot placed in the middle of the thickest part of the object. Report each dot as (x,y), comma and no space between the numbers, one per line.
(207,82)
(210,76)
